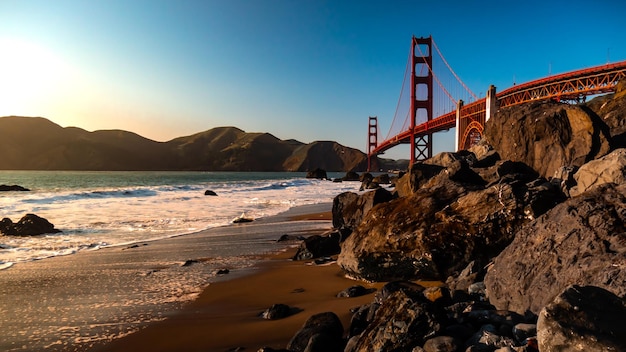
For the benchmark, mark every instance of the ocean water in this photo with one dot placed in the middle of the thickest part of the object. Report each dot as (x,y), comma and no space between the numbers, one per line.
(98,209)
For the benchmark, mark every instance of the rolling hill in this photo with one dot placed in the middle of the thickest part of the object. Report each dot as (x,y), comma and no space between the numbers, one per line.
(35,143)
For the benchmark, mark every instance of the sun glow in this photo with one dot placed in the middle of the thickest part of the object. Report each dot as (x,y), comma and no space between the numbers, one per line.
(31,77)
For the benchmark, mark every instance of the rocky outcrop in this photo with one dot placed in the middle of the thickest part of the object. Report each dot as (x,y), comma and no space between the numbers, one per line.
(583,318)
(317,173)
(451,220)
(349,208)
(28,225)
(611,168)
(581,241)
(317,246)
(321,332)
(547,135)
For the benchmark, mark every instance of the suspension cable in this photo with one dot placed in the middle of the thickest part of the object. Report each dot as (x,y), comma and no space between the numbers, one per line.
(451,70)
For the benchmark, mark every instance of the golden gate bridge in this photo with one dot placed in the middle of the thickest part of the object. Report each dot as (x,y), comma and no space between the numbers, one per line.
(433,101)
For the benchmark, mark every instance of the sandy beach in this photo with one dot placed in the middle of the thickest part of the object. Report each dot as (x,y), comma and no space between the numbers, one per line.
(154,295)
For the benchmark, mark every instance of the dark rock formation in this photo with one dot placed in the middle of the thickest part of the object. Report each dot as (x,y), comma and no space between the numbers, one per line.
(582,241)
(321,332)
(277,311)
(13,188)
(416,177)
(382,179)
(355,291)
(317,173)
(208,192)
(583,318)
(350,208)
(351,176)
(450,221)
(319,246)
(611,110)
(28,225)
(611,168)
(402,321)
(547,136)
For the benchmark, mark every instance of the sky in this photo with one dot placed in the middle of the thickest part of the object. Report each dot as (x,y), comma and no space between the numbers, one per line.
(299,69)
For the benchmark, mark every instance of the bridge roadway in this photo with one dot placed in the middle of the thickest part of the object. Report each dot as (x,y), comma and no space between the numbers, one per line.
(572,85)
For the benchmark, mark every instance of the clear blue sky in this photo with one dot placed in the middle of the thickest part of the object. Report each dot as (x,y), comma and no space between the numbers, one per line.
(304,69)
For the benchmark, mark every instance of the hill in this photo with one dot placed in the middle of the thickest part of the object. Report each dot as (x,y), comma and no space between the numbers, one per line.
(35,143)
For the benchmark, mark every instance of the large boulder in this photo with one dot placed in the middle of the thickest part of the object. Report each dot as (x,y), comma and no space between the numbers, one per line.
(323,328)
(583,318)
(417,176)
(317,246)
(317,173)
(547,135)
(13,188)
(611,110)
(611,168)
(28,225)
(349,208)
(439,229)
(403,320)
(581,241)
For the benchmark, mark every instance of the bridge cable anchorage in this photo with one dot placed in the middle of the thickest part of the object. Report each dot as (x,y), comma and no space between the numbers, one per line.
(454,73)
(436,78)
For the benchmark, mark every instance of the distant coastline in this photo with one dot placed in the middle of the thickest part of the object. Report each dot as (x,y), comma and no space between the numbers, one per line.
(35,143)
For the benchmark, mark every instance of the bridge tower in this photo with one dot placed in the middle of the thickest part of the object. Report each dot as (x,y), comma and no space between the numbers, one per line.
(421,96)
(372,140)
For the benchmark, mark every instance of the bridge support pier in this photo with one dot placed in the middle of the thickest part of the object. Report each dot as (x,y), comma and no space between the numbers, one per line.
(491,103)
(457,135)
(372,140)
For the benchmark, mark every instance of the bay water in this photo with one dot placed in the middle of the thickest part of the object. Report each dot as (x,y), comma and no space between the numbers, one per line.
(99,209)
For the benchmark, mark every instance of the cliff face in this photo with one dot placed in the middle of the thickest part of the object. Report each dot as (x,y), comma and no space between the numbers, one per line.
(34,143)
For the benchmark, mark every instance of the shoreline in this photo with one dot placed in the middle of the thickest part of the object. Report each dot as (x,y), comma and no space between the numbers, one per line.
(226,317)
(87,300)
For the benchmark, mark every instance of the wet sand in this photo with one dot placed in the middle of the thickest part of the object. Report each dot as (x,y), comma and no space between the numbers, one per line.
(226,315)
(86,301)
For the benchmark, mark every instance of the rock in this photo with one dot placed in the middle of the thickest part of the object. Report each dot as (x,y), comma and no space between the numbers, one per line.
(582,240)
(189,262)
(355,291)
(417,176)
(409,288)
(442,344)
(611,110)
(436,231)
(318,246)
(289,238)
(487,340)
(402,322)
(28,225)
(327,324)
(564,179)
(472,273)
(547,135)
(222,272)
(350,208)
(317,173)
(609,168)
(13,188)
(382,179)
(523,331)
(583,318)
(208,192)
(277,311)
(351,176)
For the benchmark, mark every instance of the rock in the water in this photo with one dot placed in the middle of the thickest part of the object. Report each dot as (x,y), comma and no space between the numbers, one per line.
(327,324)
(609,168)
(582,240)
(547,135)
(13,188)
(208,192)
(317,173)
(583,318)
(351,176)
(28,225)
